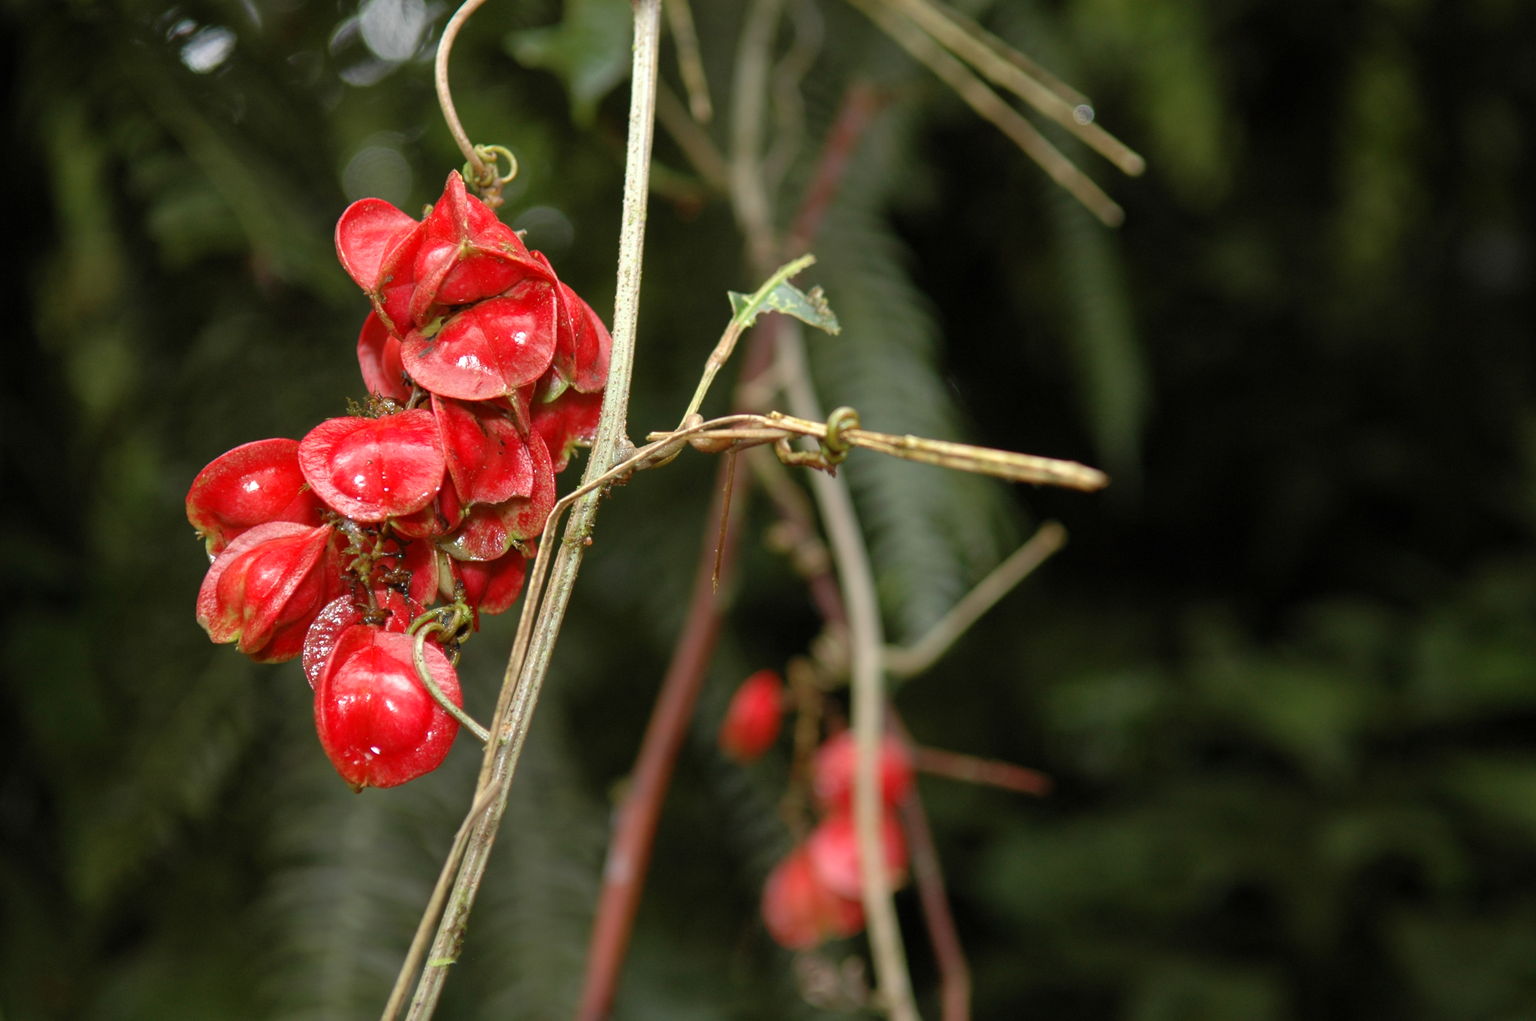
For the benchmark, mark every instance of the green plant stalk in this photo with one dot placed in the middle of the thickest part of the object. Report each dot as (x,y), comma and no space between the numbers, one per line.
(866,643)
(515,713)
(745,316)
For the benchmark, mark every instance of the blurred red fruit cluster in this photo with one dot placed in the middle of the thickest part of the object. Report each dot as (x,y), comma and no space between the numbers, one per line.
(486,372)
(814,893)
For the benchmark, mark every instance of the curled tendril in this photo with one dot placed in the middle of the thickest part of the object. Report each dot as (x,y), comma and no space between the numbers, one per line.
(835,447)
(487,178)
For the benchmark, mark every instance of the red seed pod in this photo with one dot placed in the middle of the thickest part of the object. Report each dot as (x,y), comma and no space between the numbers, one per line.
(582,342)
(466,254)
(344,612)
(378,724)
(266,588)
(378,357)
(489,349)
(371,469)
(492,586)
(832,772)
(567,422)
(833,848)
(488,459)
(798,909)
(752,720)
(254,484)
(490,530)
(369,229)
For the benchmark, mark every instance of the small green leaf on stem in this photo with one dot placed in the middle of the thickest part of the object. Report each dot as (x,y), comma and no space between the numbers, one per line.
(778,295)
(810,307)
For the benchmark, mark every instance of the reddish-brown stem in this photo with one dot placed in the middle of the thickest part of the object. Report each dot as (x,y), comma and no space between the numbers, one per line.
(928,877)
(991,772)
(634,831)
(635,828)
(860,104)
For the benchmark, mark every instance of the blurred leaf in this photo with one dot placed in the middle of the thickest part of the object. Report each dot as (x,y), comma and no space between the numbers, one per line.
(589,50)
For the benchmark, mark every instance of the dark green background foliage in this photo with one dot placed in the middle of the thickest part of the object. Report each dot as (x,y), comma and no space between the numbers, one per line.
(1284,675)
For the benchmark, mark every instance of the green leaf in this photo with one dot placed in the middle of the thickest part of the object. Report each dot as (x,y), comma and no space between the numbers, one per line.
(589,49)
(810,307)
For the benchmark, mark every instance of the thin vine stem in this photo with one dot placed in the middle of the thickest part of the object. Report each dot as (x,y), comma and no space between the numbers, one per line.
(445,94)
(867,682)
(424,674)
(526,674)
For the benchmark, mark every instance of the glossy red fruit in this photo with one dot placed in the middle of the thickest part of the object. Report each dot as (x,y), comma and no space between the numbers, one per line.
(833,769)
(369,229)
(582,342)
(395,610)
(752,720)
(377,723)
(378,357)
(372,469)
(798,909)
(567,423)
(492,586)
(466,254)
(252,485)
(833,848)
(489,349)
(263,591)
(488,459)
(490,530)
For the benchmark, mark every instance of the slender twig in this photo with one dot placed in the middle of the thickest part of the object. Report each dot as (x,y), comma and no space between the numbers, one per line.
(515,709)
(865,640)
(998,61)
(445,95)
(689,63)
(695,142)
(424,928)
(920,655)
(634,828)
(623,880)
(928,877)
(750,200)
(743,318)
(972,769)
(1002,464)
(860,103)
(994,109)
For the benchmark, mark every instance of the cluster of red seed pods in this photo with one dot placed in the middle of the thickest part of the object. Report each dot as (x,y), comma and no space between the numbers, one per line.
(813,893)
(403,522)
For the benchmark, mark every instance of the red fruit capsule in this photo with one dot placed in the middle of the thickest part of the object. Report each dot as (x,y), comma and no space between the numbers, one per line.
(378,358)
(267,586)
(378,724)
(466,254)
(752,720)
(370,469)
(490,349)
(342,613)
(488,459)
(567,422)
(252,485)
(369,229)
(833,848)
(798,909)
(490,530)
(492,586)
(832,772)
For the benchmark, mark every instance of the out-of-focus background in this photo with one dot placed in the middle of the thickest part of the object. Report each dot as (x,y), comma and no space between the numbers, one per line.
(1284,675)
